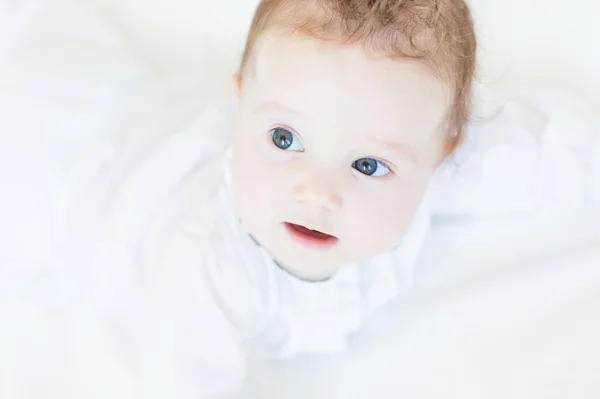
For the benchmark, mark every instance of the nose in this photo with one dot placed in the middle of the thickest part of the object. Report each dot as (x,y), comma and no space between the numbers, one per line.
(318,192)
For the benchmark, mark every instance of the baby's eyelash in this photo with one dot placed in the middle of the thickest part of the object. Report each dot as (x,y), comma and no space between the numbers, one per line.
(384,164)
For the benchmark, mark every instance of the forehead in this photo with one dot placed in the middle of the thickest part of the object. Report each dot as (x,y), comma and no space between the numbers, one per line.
(346,87)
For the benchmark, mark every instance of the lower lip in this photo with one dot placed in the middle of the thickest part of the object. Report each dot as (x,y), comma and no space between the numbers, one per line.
(313,241)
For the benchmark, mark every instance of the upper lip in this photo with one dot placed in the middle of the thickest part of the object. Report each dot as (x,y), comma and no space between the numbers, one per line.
(311,227)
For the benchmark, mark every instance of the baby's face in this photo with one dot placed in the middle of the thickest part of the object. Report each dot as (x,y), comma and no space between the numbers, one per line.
(333,140)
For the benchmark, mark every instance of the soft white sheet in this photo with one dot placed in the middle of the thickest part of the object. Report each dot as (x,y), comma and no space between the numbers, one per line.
(501,309)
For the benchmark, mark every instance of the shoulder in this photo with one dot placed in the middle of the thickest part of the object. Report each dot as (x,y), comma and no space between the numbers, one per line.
(203,260)
(532,151)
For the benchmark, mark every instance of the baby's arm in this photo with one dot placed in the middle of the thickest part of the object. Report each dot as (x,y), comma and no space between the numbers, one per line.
(202,311)
(538,154)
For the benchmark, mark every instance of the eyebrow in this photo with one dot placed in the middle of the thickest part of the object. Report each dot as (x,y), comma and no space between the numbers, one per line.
(399,148)
(272,106)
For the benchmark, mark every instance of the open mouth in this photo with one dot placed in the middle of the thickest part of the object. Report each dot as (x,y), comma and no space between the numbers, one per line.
(311,238)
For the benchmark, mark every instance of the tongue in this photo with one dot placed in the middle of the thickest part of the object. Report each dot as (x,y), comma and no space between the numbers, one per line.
(312,233)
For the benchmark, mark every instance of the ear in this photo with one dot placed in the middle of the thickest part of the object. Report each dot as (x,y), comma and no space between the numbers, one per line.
(236,79)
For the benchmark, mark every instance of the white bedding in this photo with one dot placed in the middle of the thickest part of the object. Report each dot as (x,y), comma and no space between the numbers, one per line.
(502,308)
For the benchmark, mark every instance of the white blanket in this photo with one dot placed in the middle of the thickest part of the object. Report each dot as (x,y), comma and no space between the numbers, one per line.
(502,308)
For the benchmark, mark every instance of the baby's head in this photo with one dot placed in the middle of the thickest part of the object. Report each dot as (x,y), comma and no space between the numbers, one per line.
(346,109)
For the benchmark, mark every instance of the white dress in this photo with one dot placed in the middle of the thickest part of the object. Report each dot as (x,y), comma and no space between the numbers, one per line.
(174,294)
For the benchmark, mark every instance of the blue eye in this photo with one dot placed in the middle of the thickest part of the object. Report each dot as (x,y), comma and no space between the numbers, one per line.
(286,140)
(371,167)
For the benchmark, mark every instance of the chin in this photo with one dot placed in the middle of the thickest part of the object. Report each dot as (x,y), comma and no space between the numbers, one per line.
(308,275)
(307,266)
(300,261)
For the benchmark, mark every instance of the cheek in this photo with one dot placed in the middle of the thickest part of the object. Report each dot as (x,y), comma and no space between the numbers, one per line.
(256,180)
(388,212)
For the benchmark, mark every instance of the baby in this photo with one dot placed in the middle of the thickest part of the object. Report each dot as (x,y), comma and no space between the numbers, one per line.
(354,129)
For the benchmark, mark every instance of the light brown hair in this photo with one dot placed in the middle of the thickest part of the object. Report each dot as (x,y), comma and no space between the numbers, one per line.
(438,32)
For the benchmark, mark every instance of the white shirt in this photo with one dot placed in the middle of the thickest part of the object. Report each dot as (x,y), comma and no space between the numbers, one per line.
(173,272)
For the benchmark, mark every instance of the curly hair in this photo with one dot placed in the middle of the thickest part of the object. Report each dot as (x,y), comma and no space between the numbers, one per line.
(439,33)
